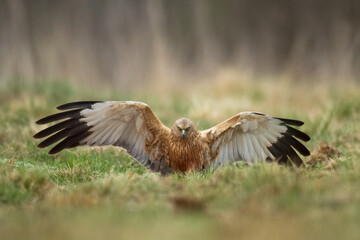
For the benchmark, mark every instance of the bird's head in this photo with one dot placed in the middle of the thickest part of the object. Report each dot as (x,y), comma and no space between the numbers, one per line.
(183,127)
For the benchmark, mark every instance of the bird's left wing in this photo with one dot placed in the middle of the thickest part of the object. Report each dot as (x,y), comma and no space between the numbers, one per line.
(131,125)
(254,137)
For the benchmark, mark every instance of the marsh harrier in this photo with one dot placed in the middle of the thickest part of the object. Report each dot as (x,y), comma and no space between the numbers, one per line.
(248,136)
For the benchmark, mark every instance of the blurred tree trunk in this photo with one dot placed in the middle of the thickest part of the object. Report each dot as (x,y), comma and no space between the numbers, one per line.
(126,41)
(16,52)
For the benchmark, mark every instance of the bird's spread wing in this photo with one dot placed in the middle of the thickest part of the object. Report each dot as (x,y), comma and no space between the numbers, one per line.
(254,137)
(131,125)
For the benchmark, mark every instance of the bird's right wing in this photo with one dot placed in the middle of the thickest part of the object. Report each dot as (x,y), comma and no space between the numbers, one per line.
(131,125)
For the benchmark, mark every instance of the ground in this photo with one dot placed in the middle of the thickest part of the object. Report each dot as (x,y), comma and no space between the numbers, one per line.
(101,193)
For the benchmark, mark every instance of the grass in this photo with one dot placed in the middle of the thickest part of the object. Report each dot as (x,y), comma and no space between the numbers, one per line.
(99,193)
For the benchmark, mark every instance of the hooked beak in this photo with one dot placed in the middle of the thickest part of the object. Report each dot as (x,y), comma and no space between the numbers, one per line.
(183,133)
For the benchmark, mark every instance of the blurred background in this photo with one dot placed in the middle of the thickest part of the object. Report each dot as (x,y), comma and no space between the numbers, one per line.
(201,59)
(135,42)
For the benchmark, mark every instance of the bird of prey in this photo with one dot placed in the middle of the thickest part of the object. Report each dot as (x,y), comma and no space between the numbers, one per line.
(248,136)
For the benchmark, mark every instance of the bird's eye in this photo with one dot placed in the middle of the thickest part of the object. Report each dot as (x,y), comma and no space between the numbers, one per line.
(187,129)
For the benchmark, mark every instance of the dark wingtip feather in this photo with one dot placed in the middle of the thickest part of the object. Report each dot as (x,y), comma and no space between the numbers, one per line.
(293,156)
(50,130)
(37,136)
(70,135)
(298,134)
(284,150)
(70,142)
(54,138)
(79,104)
(58,116)
(257,113)
(292,122)
(68,132)
(307,153)
(296,144)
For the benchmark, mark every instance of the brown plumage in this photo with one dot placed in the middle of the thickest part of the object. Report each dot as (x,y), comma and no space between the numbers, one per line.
(248,136)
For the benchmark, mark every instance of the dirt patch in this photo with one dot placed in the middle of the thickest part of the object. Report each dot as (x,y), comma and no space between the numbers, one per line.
(323,156)
(182,203)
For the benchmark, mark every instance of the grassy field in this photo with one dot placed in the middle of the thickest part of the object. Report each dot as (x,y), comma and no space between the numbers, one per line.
(101,193)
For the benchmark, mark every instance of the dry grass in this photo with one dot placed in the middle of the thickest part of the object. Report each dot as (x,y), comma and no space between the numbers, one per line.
(102,193)
(323,156)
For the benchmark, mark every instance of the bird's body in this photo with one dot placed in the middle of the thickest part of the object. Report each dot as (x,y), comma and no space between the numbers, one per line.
(248,136)
(187,153)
